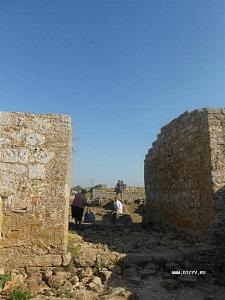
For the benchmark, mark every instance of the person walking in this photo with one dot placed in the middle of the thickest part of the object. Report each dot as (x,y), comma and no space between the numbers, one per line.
(119,189)
(77,207)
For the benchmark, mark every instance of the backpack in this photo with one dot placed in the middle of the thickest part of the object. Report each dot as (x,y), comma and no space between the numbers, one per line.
(89,216)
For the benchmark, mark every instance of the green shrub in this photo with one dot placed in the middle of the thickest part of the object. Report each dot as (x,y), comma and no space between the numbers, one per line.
(59,268)
(70,267)
(74,249)
(57,293)
(71,295)
(19,293)
(3,279)
(46,293)
(98,265)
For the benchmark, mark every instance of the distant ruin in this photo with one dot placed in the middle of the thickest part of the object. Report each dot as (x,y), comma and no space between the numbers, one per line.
(185,174)
(130,194)
(35,157)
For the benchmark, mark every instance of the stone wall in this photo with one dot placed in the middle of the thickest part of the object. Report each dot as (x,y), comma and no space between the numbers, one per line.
(184,173)
(129,195)
(216,121)
(35,154)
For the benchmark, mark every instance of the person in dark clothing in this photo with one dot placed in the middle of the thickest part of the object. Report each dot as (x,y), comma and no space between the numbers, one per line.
(77,207)
(119,189)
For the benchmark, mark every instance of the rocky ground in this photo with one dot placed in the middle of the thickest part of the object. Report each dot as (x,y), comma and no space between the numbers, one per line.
(122,261)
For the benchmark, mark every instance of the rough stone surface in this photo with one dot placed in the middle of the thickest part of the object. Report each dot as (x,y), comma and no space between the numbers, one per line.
(184,174)
(130,194)
(35,153)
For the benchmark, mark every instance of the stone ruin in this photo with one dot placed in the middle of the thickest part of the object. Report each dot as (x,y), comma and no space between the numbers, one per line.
(35,157)
(130,194)
(185,175)
(184,182)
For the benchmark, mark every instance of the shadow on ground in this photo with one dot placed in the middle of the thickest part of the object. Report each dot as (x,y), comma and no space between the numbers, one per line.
(142,261)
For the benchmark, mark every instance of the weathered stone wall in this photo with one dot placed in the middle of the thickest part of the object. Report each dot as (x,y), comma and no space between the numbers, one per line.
(184,173)
(130,194)
(35,153)
(216,121)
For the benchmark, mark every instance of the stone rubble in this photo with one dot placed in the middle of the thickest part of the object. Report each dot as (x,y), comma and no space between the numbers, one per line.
(107,265)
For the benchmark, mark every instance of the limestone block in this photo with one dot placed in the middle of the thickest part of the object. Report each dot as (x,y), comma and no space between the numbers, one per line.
(8,201)
(9,155)
(5,119)
(41,156)
(34,190)
(34,139)
(13,169)
(9,183)
(4,141)
(36,171)
(23,156)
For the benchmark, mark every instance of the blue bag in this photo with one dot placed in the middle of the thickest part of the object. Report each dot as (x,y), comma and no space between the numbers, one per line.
(89,216)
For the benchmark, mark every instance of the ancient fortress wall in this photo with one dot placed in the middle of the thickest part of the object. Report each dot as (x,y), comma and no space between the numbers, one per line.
(129,195)
(184,173)
(35,154)
(216,121)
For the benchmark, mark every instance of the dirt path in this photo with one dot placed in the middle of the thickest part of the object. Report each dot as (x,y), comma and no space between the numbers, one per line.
(141,262)
(125,261)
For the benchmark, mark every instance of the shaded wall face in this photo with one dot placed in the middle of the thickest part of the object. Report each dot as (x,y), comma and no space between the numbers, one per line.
(177,175)
(35,155)
(217,146)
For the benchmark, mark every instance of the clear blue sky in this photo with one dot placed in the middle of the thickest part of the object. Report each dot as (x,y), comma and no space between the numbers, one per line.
(122,69)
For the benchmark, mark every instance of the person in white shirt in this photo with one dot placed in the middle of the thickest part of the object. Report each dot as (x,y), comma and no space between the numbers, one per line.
(118,209)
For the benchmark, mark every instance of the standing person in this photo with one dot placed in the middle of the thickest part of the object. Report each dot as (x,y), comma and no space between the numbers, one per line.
(119,189)
(123,188)
(78,206)
(118,209)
